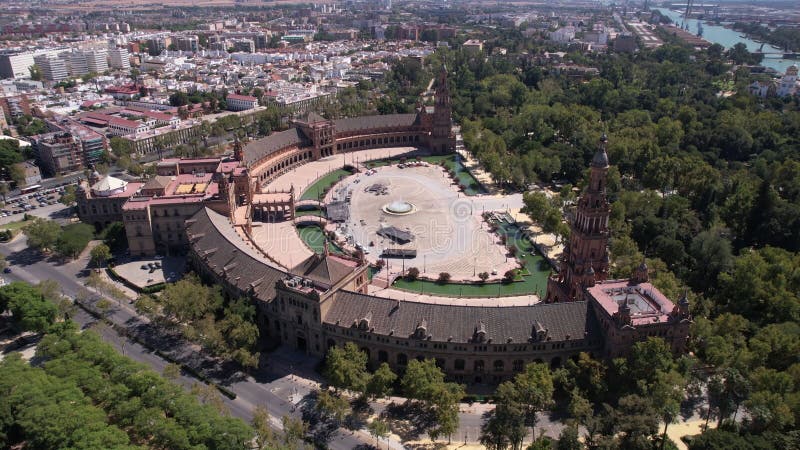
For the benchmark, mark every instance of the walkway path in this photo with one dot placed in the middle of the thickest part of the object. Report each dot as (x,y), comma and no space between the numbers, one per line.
(520,300)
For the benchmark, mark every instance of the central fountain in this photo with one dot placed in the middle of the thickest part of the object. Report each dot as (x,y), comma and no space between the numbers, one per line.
(399,208)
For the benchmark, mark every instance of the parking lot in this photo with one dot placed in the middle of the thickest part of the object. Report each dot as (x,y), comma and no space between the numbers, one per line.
(29,202)
(45,205)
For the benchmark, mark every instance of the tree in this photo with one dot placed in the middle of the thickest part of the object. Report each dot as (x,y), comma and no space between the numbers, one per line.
(509,276)
(444,278)
(188,300)
(483,276)
(506,424)
(100,254)
(68,196)
(42,234)
(121,146)
(331,405)
(10,153)
(378,429)
(346,368)
(534,389)
(17,174)
(73,239)
(179,99)
(30,310)
(667,393)
(569,439)
(380,383)
(421,379)
(412,273)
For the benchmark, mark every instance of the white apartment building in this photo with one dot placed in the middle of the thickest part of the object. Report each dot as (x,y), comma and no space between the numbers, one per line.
(18,64)
(53,68)
(97,60)
(238,102)
(77,64)
(119,57)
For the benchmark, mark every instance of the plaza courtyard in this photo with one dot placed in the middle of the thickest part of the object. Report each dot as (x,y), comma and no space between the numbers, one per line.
(415,209)
(445,226)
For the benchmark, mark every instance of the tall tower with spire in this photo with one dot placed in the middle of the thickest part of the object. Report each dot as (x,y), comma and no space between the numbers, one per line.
(585,260)
(442,140)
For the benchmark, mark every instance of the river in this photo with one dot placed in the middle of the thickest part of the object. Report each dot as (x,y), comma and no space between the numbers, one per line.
(727,38)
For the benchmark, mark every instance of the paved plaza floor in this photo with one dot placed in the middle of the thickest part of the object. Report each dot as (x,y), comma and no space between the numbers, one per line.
(448,231)
(145,272)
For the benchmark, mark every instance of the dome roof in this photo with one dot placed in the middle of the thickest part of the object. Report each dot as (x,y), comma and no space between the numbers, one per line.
(600,158)
(109,185)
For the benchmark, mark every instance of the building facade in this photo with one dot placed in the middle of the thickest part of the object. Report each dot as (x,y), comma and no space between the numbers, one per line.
(57,153)
(323,302)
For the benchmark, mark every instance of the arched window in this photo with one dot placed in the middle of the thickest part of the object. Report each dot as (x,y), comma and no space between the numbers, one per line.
(402,359)
(519,365)
(478,365)
(459,364)
(499,365)
(383,356)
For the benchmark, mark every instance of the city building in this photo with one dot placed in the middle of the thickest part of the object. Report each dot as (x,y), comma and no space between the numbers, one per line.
(53,67)
(15,64)
(187,43)
(32,173)
(563,35)
(119,58)
(77,63)
(625,43)
(473,46)
(93,144)
(238,102)
(242,45)
(96,60)
(14,106)
(100,199)
(57,152)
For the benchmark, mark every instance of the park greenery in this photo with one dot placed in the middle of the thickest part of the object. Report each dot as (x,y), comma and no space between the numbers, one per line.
(422,383)
(83,394)
(48,236)
(704,186)
(225,327)
(30,307)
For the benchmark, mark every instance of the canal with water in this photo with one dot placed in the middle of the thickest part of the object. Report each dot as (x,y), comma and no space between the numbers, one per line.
(727,38)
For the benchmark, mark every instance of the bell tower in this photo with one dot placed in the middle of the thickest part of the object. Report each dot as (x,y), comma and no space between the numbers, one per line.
(442,139)
(585,260)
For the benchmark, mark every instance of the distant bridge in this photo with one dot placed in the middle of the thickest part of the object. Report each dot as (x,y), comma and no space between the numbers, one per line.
(768,55)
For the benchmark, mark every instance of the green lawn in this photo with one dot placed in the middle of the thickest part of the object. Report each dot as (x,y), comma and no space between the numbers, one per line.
(309,212)
(15,227)
(316,191)
(533,277)
(314,238)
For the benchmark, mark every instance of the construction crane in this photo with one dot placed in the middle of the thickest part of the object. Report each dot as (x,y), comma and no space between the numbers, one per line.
(686,14)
